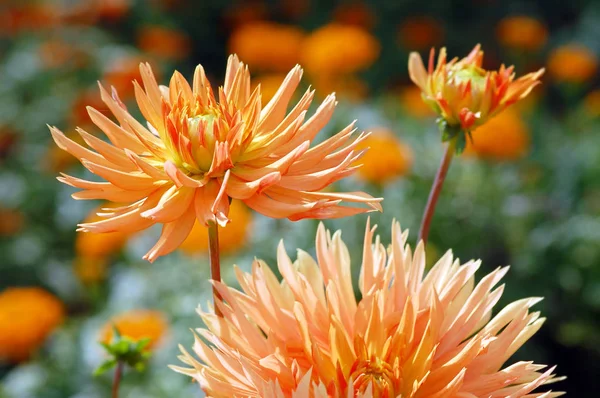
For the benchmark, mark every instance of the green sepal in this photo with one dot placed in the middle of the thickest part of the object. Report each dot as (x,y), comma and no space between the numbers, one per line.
(125,350)
(105,366)
(454,132)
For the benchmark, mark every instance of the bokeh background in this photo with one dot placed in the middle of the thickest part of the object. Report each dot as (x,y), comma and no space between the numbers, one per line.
(526,194)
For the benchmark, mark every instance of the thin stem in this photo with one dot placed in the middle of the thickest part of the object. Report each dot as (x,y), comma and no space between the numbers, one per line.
(436,189)
(117,379)
(215,261)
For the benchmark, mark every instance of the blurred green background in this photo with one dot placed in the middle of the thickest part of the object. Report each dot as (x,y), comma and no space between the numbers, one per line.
(527,194)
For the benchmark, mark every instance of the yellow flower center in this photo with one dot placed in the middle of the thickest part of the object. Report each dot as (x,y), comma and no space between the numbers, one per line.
(202,132)
(464,73)
(376,373)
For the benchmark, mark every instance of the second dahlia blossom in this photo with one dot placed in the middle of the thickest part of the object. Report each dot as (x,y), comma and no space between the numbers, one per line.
(197,149)
(463,93)
(412,334)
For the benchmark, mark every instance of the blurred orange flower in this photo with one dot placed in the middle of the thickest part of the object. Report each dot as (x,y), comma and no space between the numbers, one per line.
(339,49)
(100,245)
(137,325)
(522,32)
(11,221)
(111,9)
(387,158)
(27,317)
(411,102)
(463,93)
(420,32)
(267,46)
(90,270)
(195,152)
(163,42)
(28,16)
(591,103)
(412,334)
(503,137)
(231,238)
(572,63)
(357,13)
(57,53)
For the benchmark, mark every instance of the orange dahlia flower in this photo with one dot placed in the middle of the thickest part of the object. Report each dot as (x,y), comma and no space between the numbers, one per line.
(412,334)
(196,152)
(463,93)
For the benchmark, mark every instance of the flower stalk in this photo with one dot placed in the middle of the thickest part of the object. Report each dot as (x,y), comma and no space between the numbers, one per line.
(215,261)
(117,379)
(436,189)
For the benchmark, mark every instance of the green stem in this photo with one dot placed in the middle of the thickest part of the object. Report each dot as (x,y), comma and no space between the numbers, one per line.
(117,379)
(436,189)
(215,261)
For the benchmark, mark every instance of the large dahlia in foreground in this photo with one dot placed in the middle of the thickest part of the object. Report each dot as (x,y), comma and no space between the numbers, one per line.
(196,150)
(412,334)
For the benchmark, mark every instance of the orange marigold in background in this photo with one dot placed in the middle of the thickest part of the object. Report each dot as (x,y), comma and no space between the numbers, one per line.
(572,63)
(522,32)
(504,137)
(267,46)
(197,150)
(137,325)
(339,49)
(411,101)
(100,245)
(420,33)
(163,42)
(356,13)
(27,317)
(463,93)
(387,158)
(233,237)
(412,334)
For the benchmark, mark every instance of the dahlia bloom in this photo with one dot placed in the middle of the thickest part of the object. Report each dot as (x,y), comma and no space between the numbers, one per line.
(412,334)
(463,93)
(196,152)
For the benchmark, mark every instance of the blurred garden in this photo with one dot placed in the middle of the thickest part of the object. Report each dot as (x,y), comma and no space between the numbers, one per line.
(525,192)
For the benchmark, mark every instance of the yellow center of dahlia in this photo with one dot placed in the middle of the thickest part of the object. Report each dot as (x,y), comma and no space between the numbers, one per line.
(463,74)
(202,128)
(376,373)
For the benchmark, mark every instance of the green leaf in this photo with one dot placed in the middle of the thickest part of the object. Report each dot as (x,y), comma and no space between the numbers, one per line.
(105,366)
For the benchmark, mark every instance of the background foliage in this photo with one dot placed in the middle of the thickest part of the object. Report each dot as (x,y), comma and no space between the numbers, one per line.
(532,202)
